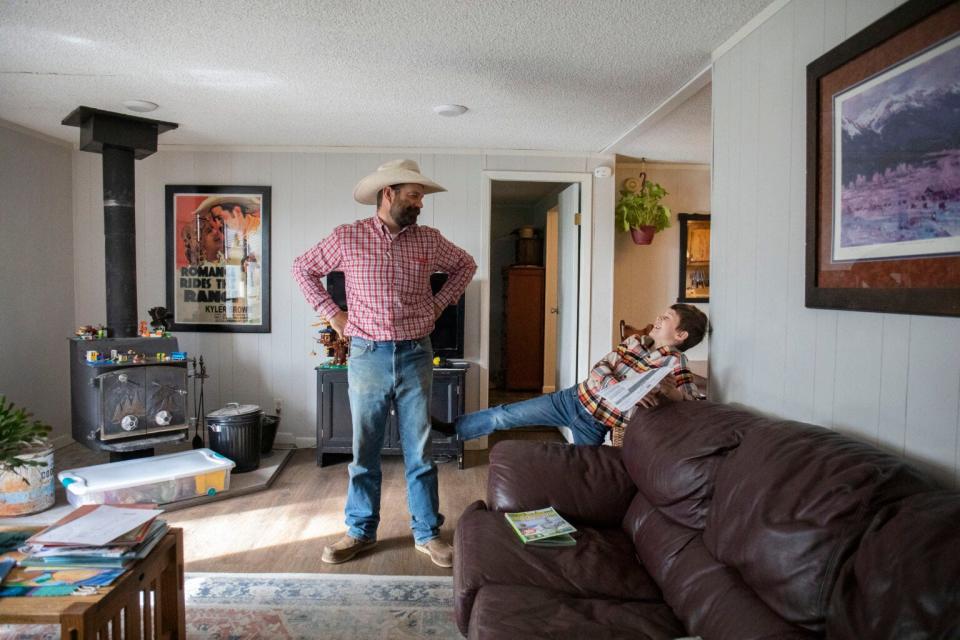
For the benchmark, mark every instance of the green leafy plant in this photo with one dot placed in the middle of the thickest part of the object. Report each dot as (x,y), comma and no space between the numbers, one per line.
(18,433)
(643,208)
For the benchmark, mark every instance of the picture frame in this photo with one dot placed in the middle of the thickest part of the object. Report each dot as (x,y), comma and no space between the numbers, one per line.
(883,166)
(694,257)
(218,258)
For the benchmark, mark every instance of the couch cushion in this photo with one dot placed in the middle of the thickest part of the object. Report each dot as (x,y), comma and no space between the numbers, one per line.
(602,564)
(511,612)
(673,452)
(711,599)
(902,582)
(592,485)
(790,503)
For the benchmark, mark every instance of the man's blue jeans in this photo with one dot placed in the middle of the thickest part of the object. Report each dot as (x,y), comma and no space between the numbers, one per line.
(559,409)
(380,373)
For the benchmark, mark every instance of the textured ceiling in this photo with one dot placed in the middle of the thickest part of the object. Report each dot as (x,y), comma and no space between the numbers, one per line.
(567,75)
(683,135)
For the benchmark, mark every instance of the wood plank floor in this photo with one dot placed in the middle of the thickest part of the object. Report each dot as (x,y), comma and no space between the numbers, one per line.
(283,529)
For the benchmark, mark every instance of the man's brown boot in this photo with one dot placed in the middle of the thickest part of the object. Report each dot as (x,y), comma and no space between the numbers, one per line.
(439,551)
(344,549)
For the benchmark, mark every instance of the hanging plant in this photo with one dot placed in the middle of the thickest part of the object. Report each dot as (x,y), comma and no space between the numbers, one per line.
(641,212)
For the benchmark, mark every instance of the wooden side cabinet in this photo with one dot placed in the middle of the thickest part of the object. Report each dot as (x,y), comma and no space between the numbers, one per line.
(335,426)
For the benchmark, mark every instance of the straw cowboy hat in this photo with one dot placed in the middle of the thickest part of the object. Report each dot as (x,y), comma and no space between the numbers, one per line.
(249,204)
(390,173)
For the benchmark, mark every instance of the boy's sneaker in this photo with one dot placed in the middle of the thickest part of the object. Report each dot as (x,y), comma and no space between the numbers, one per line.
(345,549)
(439,551)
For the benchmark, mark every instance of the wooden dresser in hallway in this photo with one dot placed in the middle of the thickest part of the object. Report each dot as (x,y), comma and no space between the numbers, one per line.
(523,327)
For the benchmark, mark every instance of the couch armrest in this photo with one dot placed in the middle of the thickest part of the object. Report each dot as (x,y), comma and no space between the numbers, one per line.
(587,484)
(464,589)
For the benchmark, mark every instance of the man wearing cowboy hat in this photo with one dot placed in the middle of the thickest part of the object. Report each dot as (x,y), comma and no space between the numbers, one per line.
(387,261)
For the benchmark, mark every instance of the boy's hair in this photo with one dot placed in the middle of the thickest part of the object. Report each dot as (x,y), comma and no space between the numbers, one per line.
(693,321)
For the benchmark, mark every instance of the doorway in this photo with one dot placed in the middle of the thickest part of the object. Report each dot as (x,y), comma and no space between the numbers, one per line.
(550,211)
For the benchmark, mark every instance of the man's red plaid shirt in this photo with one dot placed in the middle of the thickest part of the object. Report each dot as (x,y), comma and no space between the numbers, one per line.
(387,278)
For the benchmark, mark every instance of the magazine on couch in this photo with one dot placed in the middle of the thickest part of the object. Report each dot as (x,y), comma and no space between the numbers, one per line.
(542,527)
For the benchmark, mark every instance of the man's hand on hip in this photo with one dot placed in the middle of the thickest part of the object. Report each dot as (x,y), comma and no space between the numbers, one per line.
(339,322)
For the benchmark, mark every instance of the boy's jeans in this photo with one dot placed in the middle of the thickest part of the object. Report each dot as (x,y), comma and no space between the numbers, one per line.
(559,409)
(378,372)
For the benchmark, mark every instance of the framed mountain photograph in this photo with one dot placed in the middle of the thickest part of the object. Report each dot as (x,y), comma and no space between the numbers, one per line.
(883,181)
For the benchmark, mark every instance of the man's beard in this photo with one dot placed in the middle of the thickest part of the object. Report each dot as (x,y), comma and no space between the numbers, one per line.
(404,216)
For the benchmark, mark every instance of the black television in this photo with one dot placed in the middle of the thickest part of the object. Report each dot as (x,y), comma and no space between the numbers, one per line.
(447,336)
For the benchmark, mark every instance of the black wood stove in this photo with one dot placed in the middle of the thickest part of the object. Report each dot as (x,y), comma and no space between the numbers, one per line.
(125,408)
(132,405)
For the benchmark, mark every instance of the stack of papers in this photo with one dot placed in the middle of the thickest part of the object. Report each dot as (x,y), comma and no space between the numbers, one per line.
(97,536)
(90,547)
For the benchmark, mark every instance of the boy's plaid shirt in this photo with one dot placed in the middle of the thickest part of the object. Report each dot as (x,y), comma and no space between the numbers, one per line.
(629,357)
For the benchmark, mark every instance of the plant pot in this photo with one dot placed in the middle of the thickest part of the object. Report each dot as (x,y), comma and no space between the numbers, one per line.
(644,234)
(18,498)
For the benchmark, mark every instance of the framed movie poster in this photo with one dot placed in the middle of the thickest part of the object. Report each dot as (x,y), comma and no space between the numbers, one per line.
(883,166)
(218,258)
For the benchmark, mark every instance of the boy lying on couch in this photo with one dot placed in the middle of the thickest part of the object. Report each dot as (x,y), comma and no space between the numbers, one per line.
(581,407)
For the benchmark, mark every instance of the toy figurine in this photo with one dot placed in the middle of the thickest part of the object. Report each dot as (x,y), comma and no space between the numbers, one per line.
(142,330)
(89,332)
(335,347)
(159,319)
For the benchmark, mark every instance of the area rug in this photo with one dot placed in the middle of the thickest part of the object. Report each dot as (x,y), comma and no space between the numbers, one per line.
(237,606)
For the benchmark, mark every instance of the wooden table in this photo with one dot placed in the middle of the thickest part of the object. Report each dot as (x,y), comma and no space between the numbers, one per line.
(145,602)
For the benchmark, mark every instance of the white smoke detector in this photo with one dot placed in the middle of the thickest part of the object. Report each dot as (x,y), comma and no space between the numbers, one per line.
(140,106)
(450,110)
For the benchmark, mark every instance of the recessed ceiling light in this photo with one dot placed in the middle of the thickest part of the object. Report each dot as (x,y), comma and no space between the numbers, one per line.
(140,106)
(450,110)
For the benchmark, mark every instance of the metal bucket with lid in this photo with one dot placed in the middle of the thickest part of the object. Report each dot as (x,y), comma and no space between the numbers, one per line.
(235,432)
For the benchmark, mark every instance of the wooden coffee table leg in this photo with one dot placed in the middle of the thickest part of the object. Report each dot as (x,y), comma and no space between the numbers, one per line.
(173,617)
(75,622)
(153,609)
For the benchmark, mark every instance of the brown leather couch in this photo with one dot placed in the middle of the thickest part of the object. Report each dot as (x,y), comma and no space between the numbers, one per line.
(712,522)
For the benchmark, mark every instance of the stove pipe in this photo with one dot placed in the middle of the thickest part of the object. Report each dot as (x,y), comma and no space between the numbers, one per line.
(120,139)
(120,240)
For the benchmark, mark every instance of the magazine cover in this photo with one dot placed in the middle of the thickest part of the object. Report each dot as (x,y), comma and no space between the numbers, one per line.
(539,524)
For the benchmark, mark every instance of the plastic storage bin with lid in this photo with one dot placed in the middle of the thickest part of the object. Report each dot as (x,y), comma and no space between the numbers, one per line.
(159,479)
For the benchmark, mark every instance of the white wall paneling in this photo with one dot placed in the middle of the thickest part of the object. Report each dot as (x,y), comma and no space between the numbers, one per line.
(772,213)
(800,326)
(891,380)
(36,291)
